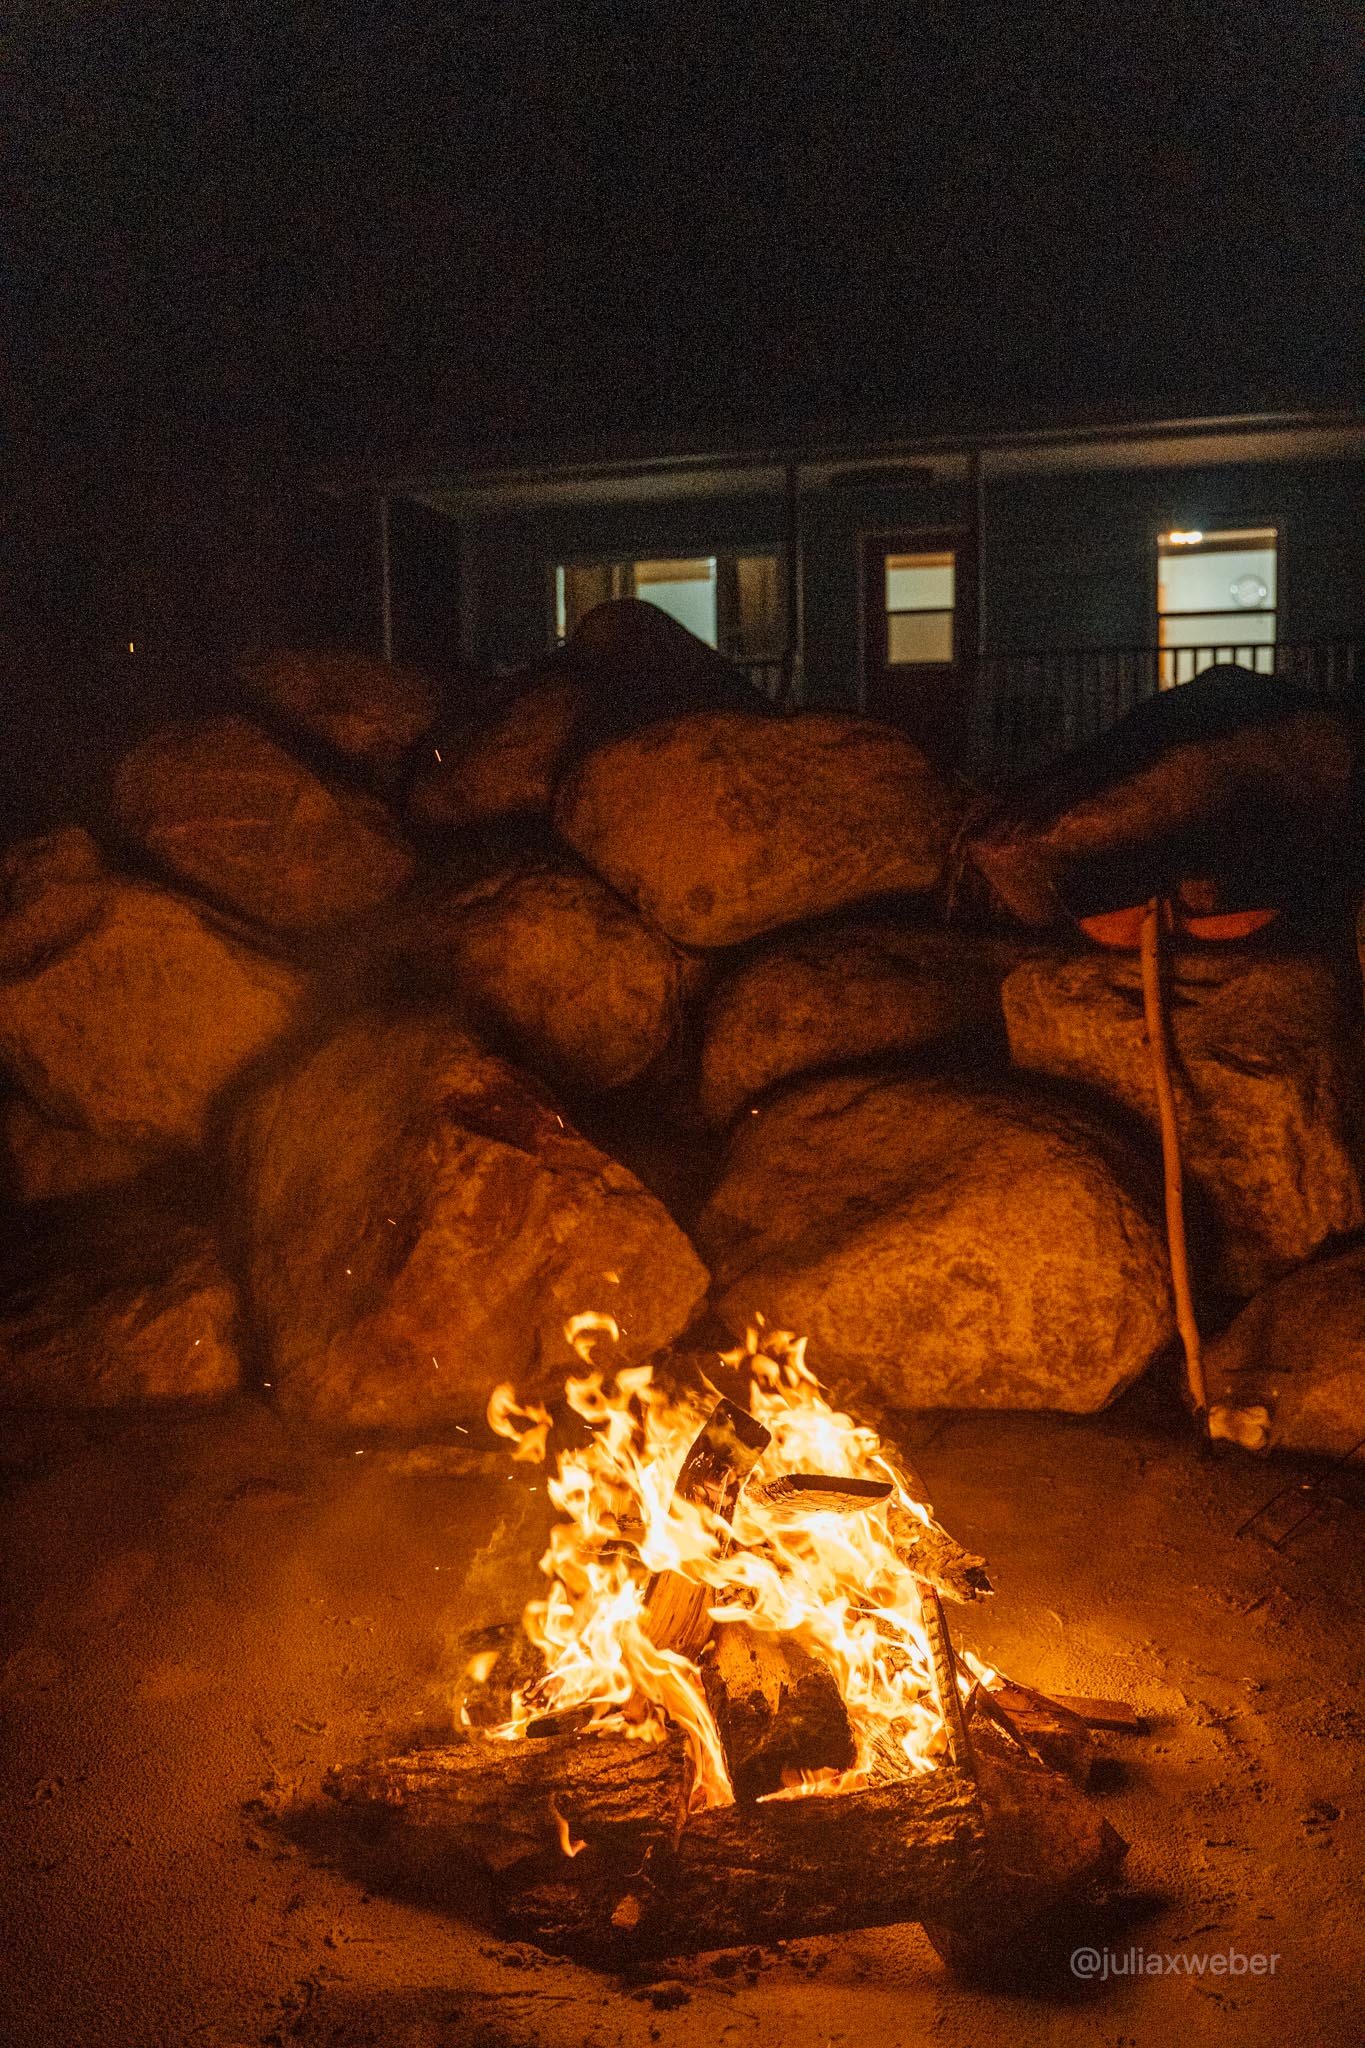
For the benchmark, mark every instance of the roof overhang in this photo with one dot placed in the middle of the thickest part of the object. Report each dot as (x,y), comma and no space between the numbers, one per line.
(493,489)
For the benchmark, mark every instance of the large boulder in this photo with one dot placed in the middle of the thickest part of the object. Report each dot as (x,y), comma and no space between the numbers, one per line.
(509,765)
(945,1244)
(1182,788)
(1268,1079)
(368,710)
(52,891)
(1297,1352)
(626,665)
(588,994)
(131,1308)
(224,810)
(127,1023)
(43,1161)
(829,997)
(722,825)
(421,1223)
(642,665)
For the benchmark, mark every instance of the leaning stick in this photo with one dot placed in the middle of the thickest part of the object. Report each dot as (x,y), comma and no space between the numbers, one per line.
(1158,1047)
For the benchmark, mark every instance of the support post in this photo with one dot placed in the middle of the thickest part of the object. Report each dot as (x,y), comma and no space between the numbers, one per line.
(385,581)
(795,651)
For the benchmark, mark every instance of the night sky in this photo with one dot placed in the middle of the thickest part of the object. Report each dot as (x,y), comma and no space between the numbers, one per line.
(334,230)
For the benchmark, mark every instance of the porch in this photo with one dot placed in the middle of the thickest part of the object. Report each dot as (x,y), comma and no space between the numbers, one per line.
(1029,709)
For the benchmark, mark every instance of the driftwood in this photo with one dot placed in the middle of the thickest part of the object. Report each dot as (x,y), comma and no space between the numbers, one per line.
(778,1709)
(1047,1849)
(481,1834)
(577,1844)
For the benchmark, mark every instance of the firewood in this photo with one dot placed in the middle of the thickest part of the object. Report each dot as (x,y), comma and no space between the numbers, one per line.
(476,1829)
(494,1803)
(1057,1736)
(1046,1848)
(933,1556)
(778,1709)
(676,1613)
(797,1494)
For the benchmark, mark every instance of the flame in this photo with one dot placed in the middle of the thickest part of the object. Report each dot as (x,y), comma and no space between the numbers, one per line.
(566,1840)
(834,1580)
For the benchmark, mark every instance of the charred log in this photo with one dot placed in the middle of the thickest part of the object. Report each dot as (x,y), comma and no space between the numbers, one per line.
(476,1828)
(778,1709)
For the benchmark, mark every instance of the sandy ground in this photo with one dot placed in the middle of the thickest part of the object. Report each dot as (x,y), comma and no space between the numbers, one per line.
(205,1611)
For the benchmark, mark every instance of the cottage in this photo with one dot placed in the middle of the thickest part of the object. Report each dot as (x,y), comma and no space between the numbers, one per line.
(1001,595)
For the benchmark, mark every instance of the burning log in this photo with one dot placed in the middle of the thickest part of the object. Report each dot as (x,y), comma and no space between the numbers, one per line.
(797,1494)
(777,1708)
(935,1559)
(574,1843)
(676,1608)
(500,1803)
(577,1844)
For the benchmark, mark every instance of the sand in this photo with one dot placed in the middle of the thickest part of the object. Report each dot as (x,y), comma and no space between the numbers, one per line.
(204,1611)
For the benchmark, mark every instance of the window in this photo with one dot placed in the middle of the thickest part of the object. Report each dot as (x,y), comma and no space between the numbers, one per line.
(920,592)
(732,601)
(686,590)
(1216,596)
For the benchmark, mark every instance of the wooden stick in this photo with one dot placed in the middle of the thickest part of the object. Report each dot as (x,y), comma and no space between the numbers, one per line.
(945,1682)
(1058,1737)
(1154,1011)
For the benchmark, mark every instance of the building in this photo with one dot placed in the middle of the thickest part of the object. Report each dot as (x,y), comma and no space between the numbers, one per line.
(1000,595)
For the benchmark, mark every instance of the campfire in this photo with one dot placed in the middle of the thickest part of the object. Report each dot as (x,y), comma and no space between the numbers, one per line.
(737,1714)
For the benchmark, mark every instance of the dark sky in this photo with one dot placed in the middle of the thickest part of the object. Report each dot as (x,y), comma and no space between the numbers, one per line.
(328,229)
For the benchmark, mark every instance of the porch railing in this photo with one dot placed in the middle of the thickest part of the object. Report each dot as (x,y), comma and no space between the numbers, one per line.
(1032,708)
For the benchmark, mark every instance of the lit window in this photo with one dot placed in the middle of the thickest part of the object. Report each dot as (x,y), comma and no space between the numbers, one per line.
(919,608)
(1216,598)
(684,587)
(686,590)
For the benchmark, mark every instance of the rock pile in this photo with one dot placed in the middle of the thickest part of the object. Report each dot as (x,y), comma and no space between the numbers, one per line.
(361,1015)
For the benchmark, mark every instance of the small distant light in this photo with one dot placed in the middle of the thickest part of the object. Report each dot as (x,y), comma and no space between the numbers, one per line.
(1184,540)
